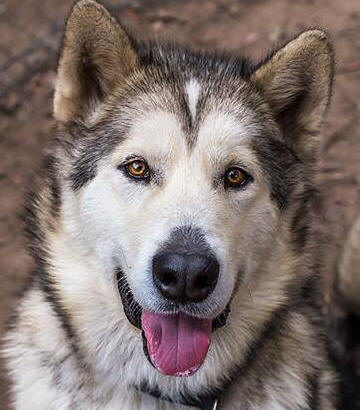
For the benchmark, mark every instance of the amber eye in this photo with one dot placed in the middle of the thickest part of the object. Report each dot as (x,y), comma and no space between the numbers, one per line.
(236,177)
(138,169)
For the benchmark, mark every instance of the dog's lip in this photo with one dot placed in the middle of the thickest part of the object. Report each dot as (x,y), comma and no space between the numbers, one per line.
(133,310)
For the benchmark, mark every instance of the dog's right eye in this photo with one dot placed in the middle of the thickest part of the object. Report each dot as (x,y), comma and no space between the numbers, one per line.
(137,169)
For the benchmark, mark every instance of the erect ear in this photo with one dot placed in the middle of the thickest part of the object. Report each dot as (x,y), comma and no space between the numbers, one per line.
(96,57)
(296,82)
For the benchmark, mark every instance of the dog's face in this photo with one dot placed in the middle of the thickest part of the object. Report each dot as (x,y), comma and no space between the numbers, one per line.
(181,172)
(182,183)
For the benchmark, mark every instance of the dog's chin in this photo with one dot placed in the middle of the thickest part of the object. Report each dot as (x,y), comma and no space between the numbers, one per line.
(152,326)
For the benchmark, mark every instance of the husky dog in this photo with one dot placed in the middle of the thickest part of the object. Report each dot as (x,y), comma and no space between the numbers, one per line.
(175,266)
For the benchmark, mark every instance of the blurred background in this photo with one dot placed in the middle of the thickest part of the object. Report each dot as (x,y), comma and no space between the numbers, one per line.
(30,32)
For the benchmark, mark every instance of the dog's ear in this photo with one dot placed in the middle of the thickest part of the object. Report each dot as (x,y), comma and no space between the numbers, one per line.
(96,57)
(296,82)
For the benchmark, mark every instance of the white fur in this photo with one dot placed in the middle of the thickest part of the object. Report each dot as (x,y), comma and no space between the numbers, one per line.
(192,90)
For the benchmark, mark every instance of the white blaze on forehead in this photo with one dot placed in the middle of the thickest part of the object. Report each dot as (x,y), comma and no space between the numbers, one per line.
(192,90)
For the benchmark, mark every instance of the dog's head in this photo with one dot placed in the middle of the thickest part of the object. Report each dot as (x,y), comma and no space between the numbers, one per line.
(184,180)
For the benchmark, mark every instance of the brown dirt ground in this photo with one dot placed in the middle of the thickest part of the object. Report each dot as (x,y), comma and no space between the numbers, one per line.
(29,37)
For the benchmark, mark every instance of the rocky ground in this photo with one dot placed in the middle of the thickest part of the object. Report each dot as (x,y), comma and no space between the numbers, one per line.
(30,31)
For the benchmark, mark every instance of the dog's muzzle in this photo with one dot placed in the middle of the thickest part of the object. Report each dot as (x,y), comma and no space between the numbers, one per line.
(185,272)
(186,337)
(133,310)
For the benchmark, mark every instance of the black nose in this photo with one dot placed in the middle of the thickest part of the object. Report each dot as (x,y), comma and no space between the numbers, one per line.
(185,278)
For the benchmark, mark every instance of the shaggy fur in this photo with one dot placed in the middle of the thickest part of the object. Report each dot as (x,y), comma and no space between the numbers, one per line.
(93,231)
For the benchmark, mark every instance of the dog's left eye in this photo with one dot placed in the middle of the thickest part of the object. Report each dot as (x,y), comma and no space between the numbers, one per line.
(137,169)
(236,177)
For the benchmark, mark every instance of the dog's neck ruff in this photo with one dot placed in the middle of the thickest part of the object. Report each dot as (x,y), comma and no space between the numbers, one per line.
(203,402)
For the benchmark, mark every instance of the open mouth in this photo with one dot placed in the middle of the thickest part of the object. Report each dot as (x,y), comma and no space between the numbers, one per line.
(175,344)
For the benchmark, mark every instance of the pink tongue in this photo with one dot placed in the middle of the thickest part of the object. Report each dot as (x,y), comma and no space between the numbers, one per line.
(177,344)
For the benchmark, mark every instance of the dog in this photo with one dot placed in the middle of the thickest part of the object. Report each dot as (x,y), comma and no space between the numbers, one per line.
(171,230)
